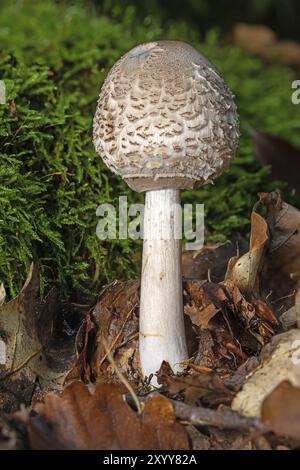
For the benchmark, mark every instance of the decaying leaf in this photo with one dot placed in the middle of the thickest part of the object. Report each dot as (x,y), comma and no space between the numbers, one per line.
(269,274)
(205,355)
(243,271)
(113,321)
(29,351)
(116,317)
(212,304)
(279,361)
(99,418)
(280,277)
(206,386)
(206,301)
(281,409)
(284,225)
(84,345)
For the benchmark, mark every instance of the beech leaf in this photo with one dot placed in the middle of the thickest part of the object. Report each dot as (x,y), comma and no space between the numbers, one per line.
(98,418)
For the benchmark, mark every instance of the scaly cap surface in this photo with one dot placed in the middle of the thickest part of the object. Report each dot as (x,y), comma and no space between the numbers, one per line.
(165,118)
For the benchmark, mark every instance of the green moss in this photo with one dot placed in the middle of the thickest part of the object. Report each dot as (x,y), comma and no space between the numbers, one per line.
(53,59)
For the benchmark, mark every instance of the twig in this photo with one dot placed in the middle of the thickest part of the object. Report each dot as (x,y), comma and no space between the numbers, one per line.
(122,378)
(284,297)
(222,419)
(227,419)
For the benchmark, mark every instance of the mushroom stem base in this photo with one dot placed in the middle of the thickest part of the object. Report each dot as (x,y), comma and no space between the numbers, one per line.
(162,333)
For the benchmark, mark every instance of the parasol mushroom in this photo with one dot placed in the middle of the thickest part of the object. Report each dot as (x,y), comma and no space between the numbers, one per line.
(165,122)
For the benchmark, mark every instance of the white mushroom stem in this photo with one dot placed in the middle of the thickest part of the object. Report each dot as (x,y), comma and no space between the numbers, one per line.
(162,333)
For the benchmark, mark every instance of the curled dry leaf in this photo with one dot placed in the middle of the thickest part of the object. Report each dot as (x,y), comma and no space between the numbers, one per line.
(269,274)
(28,348)
(279,361)
(243,271)
(281,410)
(99,418)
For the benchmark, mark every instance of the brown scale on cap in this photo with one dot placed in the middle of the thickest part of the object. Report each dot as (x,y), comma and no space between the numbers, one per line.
(165,118)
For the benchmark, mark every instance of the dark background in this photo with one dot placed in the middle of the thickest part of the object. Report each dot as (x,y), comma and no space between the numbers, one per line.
(283,16)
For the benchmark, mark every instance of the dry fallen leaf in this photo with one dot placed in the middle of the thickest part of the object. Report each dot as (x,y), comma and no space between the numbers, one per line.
(280,276)
(206,301)
(279,361)
(113,321)
(98,418)
(243,271)
(238,316)
(284,225)
(269,274)
(195,386)
(281,409)
(29,350)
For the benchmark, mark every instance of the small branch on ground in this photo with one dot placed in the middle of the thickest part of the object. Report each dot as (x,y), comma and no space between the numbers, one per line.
(223,419)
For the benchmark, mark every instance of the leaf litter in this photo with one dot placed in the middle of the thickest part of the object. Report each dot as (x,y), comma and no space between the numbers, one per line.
(240,351)
(36,350)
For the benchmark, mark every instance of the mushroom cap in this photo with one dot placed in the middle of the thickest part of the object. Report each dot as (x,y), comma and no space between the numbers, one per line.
(165,118)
